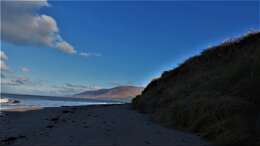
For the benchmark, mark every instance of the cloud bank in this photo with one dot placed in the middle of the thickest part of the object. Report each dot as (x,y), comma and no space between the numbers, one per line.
(71,89)
(15,82)
(22,84)
(23,25)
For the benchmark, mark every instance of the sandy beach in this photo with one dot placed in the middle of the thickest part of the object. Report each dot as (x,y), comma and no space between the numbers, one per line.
(88,125)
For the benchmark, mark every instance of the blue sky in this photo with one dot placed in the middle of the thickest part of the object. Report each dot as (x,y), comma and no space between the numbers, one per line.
(114,43)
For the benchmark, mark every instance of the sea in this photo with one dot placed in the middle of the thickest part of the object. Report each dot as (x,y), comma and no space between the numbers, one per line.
(15,101)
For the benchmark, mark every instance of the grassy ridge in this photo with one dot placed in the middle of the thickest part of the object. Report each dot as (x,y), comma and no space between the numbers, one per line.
(215,94)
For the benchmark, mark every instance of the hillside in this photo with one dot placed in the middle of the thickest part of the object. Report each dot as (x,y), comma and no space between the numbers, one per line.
(215,94)
(120,92)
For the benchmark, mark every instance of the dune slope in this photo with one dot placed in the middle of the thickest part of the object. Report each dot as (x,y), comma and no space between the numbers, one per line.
(215,94)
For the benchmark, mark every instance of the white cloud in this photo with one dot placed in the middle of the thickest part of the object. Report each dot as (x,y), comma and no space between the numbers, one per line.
(3,58)
(25,69)
(85,54)
(23,25)
(66,47)
(3,65)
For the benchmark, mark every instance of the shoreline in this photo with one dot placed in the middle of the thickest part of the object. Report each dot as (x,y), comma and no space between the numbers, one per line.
(33,108)
(22,109)
(89,125)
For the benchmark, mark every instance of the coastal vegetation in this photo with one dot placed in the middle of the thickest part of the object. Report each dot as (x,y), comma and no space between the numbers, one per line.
(215,94)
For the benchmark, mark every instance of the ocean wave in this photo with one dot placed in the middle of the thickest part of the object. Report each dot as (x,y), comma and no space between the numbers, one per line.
(4,100)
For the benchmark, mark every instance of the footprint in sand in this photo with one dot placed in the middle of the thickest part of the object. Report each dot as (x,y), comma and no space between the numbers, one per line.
(147,142)
(67,111)
(70,139)
(11,139)
(49,126)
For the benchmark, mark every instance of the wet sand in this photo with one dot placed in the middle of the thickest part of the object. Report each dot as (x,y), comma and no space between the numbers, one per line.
(100,125)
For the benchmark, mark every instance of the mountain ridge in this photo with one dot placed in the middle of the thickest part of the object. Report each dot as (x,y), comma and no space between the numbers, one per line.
(118,92)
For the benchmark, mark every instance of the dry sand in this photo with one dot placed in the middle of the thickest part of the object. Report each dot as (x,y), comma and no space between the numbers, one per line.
(88,125)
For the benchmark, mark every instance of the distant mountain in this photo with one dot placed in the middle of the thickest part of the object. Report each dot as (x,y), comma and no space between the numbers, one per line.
(119,92)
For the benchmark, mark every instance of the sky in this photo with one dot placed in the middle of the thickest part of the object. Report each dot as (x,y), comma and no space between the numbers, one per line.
(65,47)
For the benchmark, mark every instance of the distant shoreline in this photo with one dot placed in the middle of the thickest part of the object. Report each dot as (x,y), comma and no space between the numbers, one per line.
(73,97)
(22,109)
(27,102)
